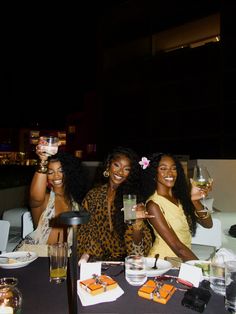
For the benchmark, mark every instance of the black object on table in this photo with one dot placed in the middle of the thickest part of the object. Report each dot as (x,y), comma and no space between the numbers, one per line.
(74,218)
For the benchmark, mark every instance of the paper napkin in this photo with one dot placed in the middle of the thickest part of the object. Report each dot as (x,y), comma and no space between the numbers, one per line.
(190,273)
(108,296)
(88,269)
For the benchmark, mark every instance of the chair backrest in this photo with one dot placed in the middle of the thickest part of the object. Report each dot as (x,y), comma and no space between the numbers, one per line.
(14,216)
(4,233)
(209,237)
(27,224)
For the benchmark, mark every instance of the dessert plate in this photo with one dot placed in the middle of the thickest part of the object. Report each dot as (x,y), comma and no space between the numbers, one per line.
(162,266)
(17,259)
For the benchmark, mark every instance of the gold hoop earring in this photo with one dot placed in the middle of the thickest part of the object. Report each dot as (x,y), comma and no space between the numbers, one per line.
(106,173)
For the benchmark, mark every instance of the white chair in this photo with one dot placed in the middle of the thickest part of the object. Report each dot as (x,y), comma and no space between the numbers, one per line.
(4,233)
(207,241)
(27,224)
(14,216)
(227,220)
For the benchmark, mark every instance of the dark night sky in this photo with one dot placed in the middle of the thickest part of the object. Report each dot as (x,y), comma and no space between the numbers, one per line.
(50,56)
(50,61)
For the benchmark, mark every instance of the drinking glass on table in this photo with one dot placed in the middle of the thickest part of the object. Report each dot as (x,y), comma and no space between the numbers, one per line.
(135,270)
(49,144)
(58,256)
(230,286)
(129,201)
(10,296)
(203,180)
(217,274)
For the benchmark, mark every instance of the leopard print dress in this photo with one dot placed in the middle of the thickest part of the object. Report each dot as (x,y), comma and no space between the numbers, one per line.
(96,237)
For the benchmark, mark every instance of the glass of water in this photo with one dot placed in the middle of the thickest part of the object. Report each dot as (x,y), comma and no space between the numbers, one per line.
(230,285)
(217,274)
(135,270)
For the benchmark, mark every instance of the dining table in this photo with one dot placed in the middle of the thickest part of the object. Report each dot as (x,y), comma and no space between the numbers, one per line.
(40,296)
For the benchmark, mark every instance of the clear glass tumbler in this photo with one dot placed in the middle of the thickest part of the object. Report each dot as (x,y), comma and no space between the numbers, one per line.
(230,286)
(10,296)
(129,201)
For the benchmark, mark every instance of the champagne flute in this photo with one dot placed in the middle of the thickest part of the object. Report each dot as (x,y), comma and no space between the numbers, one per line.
(202,180)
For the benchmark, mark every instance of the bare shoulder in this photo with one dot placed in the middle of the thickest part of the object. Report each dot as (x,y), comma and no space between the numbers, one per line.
(151,205)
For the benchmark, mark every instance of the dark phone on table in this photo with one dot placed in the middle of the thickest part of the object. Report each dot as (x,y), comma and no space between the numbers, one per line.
(196,299)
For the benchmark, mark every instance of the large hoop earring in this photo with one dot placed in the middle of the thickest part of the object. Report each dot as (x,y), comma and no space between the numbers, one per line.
(106,173)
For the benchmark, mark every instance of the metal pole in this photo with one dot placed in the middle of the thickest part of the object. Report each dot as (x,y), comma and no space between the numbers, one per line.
(73,218)
(74,270)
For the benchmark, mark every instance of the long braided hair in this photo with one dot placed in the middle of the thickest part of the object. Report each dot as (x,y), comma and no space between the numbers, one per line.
(181,189)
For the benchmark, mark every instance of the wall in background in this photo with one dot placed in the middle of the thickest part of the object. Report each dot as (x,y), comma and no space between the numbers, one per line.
(223,173)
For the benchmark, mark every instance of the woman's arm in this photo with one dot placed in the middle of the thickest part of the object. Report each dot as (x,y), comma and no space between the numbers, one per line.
(168,234)
(138,238)
(141,213)
(38,187)
(37,198)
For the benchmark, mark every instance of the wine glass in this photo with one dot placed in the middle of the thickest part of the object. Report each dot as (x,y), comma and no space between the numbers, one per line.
(202,180)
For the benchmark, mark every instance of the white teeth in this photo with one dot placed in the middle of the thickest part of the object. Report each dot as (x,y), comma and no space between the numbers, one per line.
(57,181)
(169,179)
(117,177)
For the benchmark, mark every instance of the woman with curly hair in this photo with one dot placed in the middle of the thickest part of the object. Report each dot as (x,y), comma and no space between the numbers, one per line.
(106,236)
(58,185)
(175,207)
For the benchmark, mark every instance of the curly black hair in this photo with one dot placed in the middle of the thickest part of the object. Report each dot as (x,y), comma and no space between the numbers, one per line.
(181,189)
(75,176)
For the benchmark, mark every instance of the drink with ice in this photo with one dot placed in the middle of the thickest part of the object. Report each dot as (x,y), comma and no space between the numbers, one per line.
(129,201)
(135,270)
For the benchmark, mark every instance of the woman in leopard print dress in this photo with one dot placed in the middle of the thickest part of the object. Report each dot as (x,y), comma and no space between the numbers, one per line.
(106,236)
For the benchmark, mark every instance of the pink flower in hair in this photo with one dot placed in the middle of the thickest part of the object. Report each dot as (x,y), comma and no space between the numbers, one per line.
(144,162)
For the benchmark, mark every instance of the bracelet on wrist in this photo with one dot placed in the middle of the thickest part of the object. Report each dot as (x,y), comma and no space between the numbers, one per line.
(207,215)
(43,162)
(42,166)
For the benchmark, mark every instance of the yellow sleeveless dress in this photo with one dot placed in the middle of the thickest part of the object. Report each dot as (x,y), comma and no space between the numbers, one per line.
(176,220)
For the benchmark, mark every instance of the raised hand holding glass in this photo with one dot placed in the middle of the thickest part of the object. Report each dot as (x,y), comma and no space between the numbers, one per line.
(49,145)
(129,201)
(202,180)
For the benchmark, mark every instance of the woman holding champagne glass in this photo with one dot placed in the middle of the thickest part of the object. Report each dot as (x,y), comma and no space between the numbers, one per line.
(176,207)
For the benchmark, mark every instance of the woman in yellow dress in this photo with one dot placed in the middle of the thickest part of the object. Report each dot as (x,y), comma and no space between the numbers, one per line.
(176,208)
